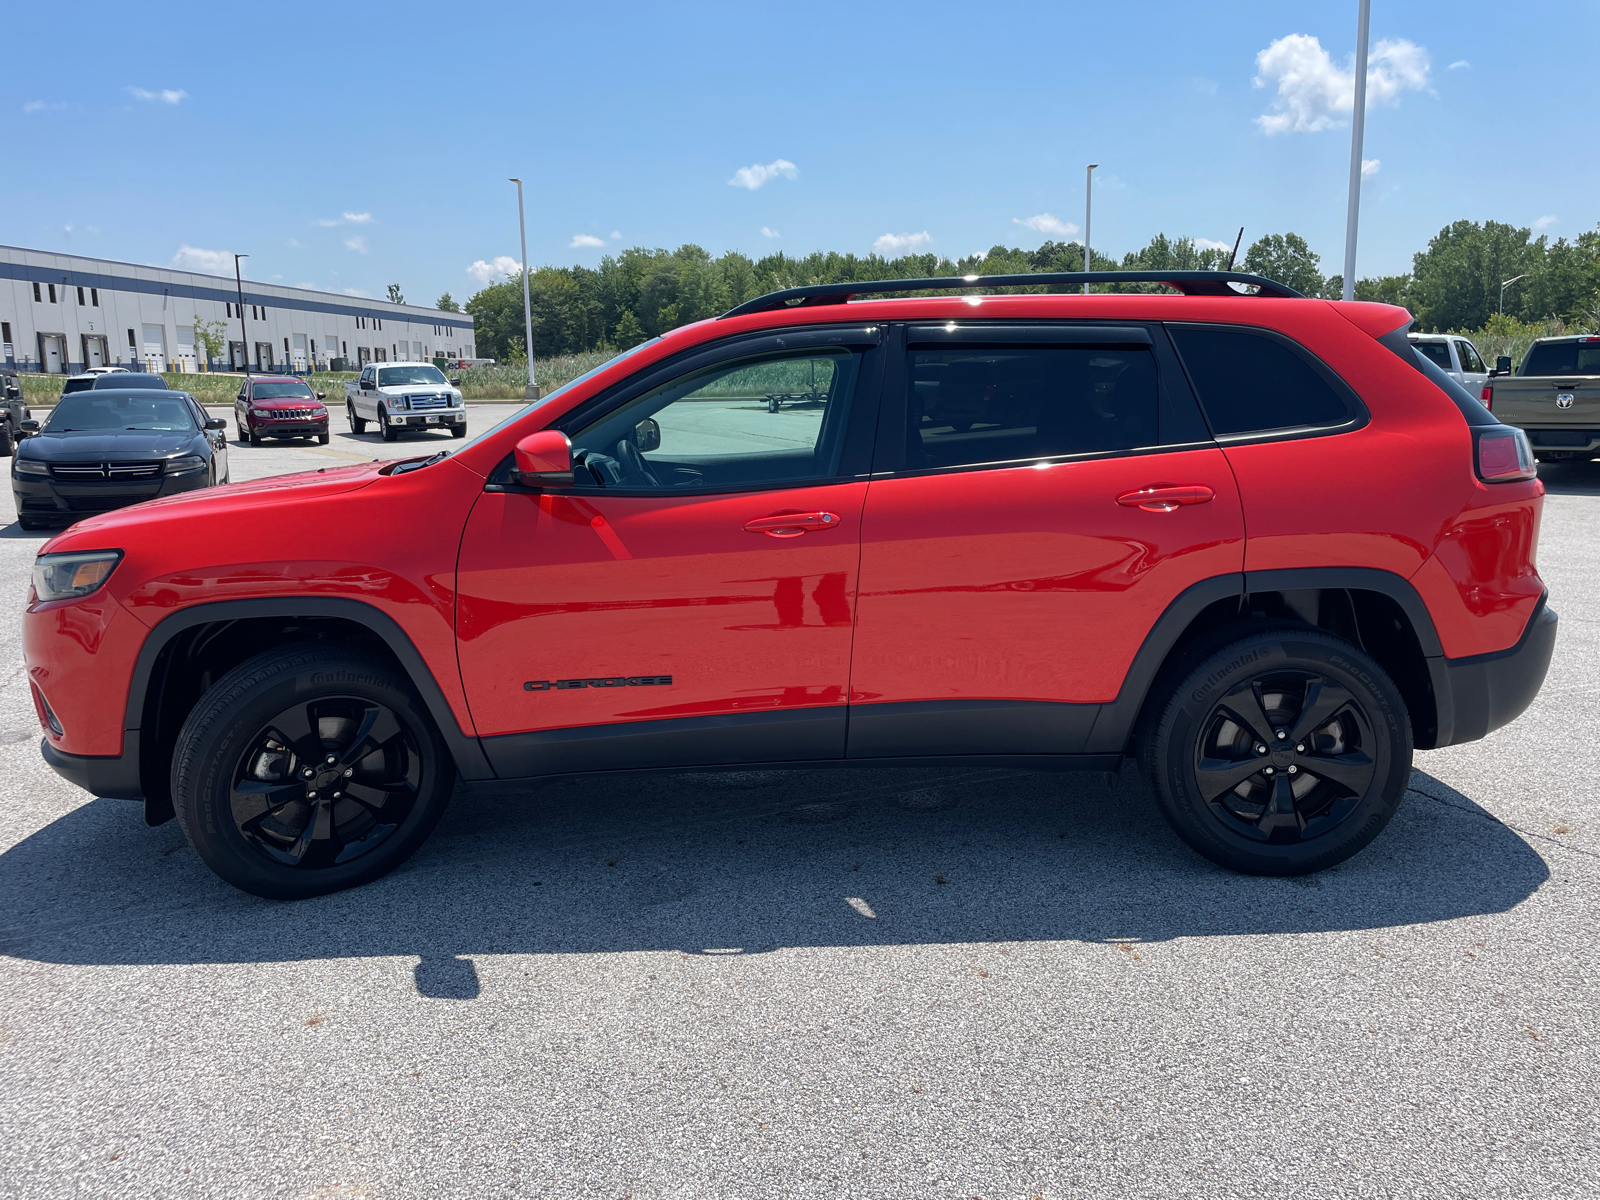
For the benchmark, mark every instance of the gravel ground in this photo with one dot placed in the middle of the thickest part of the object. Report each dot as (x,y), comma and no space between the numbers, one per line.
(867,983)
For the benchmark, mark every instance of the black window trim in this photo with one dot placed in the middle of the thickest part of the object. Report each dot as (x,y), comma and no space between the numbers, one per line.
(855,457)
(889,459)
(1399,343)
(1360,417)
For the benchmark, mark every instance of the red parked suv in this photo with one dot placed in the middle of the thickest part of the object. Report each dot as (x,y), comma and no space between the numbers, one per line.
(1253,540)
(279,406)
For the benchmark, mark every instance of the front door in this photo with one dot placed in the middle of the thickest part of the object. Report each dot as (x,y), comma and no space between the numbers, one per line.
(691,600)
(1042,493)
(155,348)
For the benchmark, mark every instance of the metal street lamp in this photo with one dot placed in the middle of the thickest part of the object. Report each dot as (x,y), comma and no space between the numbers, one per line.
(1358,129)
(532,391)
(1088,200)
(244,330)
(1507,283)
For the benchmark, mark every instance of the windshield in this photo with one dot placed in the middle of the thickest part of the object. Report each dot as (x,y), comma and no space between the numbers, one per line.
(410,376)
(279,391)
(568,386)
(110,413)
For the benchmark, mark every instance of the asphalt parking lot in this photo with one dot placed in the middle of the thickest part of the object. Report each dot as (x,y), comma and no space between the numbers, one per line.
(868,983)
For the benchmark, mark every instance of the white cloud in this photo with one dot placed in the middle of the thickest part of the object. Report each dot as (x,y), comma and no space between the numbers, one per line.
(358,244)
(1544,222)
(165,96)
(1208,244)
(293,243)
(310,287)
(616,235)
(357,218)
(1109,181)
(211,262)
(1369,168)
(899,243)
(765,232)
(754,176)
(1046,223)
(582,240)
(33,106)
(1314,94)
(358,292)
(494,271)
(1458,65)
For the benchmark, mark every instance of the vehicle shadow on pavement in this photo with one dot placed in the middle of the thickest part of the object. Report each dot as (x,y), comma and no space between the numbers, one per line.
(744,863)
(1570,478)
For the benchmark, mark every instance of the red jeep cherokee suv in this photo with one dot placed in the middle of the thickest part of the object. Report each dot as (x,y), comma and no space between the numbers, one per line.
(1253,540)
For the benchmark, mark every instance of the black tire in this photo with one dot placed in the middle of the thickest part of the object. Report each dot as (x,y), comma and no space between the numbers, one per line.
(7,442)
(390,434)
(458,431)
(1322,710)
(244,434)
(255,438)
(244,805)
(322,439)
(357,424)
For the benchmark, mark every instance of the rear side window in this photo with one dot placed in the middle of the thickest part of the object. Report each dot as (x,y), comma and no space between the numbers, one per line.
(978,405)
(1564,358)
(1249,382)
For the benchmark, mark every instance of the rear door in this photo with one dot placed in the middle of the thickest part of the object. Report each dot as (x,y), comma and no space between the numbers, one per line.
(1040,495)
(691,600)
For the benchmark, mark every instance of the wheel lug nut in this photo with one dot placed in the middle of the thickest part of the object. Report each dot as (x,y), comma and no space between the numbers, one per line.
(1300,747)
(1292,770)
(349,771)
(311,795)
(332,759)
(1268,771)
(336,794)
(1282,735)
(308,772)
(1261,749)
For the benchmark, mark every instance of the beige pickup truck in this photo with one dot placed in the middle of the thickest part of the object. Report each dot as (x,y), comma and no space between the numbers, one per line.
(1554,396)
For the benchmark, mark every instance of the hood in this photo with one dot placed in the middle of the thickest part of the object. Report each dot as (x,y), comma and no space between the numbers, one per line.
(101,445)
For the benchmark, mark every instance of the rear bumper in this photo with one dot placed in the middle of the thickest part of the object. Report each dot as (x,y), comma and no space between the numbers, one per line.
(115,776)
(1479,694)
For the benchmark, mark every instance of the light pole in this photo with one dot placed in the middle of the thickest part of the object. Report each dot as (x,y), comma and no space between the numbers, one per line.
(1088,203)
(1503,286)
(532,391)
(1358,128)
(244,330)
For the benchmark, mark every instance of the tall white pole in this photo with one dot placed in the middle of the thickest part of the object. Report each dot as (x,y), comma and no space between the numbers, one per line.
(1088,204)
(532,392)
(1358,126)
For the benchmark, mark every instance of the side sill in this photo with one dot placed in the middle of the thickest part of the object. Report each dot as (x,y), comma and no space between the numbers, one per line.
(1015,762)
(941,728)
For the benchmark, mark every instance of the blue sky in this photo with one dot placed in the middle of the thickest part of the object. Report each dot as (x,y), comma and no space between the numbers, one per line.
(354,146)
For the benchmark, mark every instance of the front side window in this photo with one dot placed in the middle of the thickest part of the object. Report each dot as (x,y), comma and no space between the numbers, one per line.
(88,411)
(1469,358)
(758,422)
(977,405)
(1249,382)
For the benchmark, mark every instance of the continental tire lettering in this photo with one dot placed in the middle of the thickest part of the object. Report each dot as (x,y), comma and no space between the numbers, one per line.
(604,681)
(1217,676)
(347,677)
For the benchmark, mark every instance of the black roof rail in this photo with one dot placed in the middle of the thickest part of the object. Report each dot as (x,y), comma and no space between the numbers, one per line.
(1190,283)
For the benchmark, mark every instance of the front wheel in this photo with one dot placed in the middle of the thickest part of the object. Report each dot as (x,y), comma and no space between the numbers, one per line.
(390,434)
(322,439)
(303,772)
(1281,753)
(458,431)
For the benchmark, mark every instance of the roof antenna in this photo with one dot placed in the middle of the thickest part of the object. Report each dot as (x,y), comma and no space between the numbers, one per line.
(1235,253)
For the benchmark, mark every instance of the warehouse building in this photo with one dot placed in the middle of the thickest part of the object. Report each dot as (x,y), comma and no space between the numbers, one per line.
(63,314)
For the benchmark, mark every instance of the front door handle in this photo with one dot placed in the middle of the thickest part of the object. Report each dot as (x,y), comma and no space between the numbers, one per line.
(1162,497)
(792,524)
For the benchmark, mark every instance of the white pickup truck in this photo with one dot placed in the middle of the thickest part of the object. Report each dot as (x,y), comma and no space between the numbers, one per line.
(404,397)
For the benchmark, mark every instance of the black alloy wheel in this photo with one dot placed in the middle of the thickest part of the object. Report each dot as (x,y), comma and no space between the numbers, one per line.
(1280,753)
(309,770)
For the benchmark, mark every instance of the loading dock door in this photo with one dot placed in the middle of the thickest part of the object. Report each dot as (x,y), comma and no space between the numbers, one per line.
(186,359)
(299,352)
(155,348)
(52,353)
(94,351)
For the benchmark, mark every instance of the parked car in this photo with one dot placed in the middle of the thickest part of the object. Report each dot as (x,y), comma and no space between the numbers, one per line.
(279,406)
(1257,542)
(1554,396)
(13,411)
(1456,356)
(102,450)
(123,381)
(78,383)
(407,397)
(107,371)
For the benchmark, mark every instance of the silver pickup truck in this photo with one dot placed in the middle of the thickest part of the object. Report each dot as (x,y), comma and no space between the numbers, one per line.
(404,397)
(1554,396)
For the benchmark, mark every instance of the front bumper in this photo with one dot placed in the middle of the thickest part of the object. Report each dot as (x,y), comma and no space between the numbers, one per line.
(1479,694)
(297,427)
(442,419)
(115,776)
(72,500)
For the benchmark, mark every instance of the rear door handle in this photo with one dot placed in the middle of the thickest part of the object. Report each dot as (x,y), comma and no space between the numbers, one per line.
(1163,497)
(792,524)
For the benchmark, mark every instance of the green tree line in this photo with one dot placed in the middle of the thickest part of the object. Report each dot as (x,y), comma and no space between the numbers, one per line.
(639,293)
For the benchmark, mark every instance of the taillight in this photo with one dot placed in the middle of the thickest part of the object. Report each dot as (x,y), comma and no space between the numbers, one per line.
(1504,455)
(1487,396)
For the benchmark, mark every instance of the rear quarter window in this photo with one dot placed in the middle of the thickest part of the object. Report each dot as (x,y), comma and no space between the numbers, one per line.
(1252,382)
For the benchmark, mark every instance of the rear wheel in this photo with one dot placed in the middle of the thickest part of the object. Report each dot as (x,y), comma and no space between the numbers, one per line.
(301,773)
(357,424)
(7,442)
(1281,753)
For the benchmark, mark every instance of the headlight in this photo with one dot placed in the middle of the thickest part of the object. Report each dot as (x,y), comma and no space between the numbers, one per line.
(26,466)
(69,576)
(185,462)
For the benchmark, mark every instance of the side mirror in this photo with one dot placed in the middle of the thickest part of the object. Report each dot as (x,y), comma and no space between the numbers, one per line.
(322,395)
(28,426)
(647,435)
(216,423)
(1502,365)
(544,459)
(456,382)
